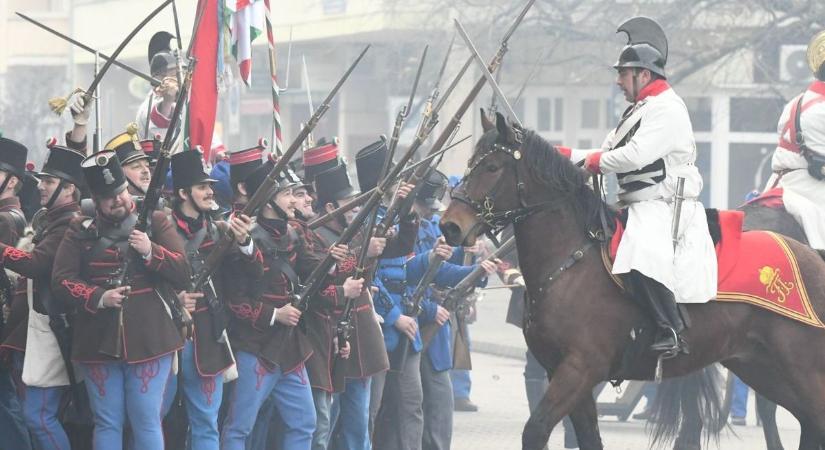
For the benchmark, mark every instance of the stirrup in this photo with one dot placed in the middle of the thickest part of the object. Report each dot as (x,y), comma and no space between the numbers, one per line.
(671,351)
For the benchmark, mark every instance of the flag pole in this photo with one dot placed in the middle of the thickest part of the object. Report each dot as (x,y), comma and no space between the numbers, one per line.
(276,96)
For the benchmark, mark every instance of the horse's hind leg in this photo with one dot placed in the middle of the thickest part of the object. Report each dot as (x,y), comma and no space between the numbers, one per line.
(571,384)
(767,414)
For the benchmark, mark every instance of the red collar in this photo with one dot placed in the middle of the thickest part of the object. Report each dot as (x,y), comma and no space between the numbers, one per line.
(653,89)
(818,87)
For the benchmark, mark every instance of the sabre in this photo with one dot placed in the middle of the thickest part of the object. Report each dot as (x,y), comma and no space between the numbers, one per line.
(677,210)
(497,90)
(153,81)
(58,106)
(179,53)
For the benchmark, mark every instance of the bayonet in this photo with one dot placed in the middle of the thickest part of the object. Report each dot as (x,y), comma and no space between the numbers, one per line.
(153,81)
(405,110)
(442,139)
(288,62)
(308,90)
(484,70)
(264,192)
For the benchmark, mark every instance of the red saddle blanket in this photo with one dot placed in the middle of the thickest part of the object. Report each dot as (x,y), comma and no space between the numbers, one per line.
(755,267)
(771,198)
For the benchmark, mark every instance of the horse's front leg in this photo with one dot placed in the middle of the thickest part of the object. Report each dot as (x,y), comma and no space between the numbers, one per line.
(569,390)
(585,420)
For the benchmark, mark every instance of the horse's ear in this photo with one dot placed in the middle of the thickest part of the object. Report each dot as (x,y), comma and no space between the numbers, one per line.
(486,124)
(504,129)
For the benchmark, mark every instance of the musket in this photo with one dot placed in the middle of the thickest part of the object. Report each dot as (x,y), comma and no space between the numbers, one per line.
(344,327)
(59,104)
(430,120)
(113,346)
(152,80)
(454,298)
(413,309)
(434,92)
(364,196)
(270,183)
(418,175)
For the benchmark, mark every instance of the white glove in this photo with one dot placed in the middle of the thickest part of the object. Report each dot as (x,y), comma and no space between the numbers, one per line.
(80,114)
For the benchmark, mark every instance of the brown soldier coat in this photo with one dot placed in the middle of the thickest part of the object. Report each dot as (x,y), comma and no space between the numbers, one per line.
(253,299)
(36,265)
(148,330)
(211,356)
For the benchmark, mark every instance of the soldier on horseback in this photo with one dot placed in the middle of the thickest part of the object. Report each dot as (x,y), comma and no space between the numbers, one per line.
(649,151)
(799,160)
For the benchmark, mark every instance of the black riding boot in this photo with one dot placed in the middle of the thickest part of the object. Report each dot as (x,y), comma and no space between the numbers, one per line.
(662,304)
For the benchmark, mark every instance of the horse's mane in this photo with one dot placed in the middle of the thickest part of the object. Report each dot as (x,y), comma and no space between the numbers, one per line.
(550,168)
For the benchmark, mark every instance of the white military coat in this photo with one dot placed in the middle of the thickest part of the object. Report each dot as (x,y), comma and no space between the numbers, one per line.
(804,196)
(664,132)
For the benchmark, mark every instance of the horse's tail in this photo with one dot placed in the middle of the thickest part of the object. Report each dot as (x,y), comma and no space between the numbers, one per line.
(691,401)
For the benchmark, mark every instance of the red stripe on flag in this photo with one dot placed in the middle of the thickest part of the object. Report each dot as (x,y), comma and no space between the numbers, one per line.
(203,99)
(245,67)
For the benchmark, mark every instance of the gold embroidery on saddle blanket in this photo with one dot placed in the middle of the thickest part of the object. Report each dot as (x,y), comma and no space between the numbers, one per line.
(768,277)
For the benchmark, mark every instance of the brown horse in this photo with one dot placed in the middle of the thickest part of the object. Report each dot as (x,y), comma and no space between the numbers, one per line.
(578,322)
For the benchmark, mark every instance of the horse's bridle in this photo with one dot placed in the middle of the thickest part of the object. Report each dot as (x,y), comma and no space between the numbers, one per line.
(485,208)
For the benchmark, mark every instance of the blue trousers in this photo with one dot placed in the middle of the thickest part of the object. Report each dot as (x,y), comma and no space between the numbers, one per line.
(461,383)
(203,397)
(40,412)
(13,430)
(119,391)
(739,406)
(255,383)
(351,416)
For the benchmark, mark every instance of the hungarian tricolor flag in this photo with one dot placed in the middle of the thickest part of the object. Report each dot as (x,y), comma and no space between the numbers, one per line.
(203,99)
(248,24)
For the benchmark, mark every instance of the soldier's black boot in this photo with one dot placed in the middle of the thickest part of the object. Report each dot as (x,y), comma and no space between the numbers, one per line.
(662,305)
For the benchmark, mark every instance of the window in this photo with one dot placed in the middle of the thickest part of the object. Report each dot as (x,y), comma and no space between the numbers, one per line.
(703,164)
(559,123)
(590,114)
(543,114)
(755,114)
(749,169)
(700,113)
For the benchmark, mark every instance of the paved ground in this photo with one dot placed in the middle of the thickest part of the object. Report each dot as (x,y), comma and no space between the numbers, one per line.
(498,389)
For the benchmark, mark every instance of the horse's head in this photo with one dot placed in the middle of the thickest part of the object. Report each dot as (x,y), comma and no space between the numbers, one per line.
(488,196)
